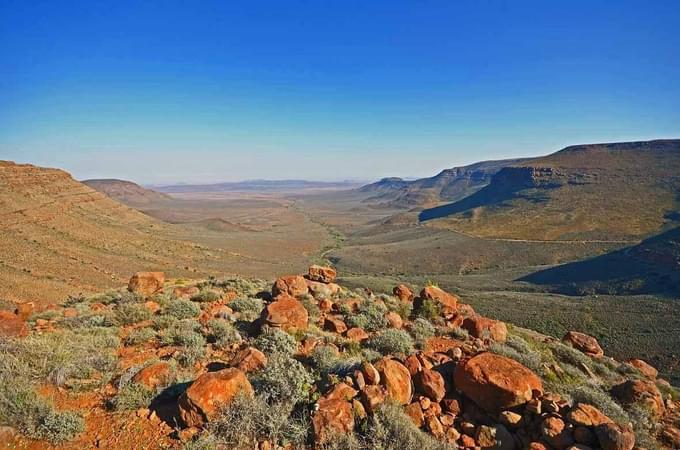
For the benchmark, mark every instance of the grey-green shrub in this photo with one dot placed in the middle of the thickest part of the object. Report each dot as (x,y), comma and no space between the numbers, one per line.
(391,428)
(206,295)
(139,336)
(249,309)
(283,379)
(391,341)
(181,309)
(327,360)
(370,317)
(133,396)
(223,333)
(129,313)
(422,330)
(273,340)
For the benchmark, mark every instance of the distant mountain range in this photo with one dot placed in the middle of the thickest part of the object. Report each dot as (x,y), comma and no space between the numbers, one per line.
(626,190)
(126,192)
(257,185)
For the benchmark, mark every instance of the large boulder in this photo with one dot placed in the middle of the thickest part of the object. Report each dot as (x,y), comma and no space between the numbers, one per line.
(146,283)
(11,325)
(211,391)
(396,379)
(584,343)
(645,368)
(431,384)
(25,310)
(322,274)
(643,392)
(249,360)
(154,375)
(583,414)
(292,285)
(615,437)
(448,301)
(495,382)
(485,328)
(403,293)
(333,416)
(286,313)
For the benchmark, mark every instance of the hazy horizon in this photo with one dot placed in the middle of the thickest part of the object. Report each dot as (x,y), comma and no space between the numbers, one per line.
(167,92)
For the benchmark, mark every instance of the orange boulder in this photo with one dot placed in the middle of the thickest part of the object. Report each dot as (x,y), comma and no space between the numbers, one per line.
(322,274)
(293,285)
(146,283)
(584,343)
(286,313)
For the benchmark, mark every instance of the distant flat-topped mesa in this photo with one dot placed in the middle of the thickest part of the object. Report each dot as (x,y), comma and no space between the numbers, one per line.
(621,191)
(126,192)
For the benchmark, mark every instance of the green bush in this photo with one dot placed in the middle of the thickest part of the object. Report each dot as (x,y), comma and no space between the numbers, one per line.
(422,330)
(223,333)
(248,419)
(130,313)
(181,309)
(585,393)
(370,317)
(117,297)
(249,309)
(391,341)
(428,309)
(273,340)
(283,379)
(327,360)
(206,295)
(22,408)
(133,396)
(139,336)
(163,322)
(391,428)
(186,334)
(312,308)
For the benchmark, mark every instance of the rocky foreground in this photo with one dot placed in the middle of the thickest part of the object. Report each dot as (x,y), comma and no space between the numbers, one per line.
(306,363)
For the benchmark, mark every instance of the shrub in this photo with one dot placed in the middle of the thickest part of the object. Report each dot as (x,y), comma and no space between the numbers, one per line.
(117,297)
(21,407)
(391,428)
(133,396)
(585,393)
(206,295)
(371,316)
(422,330)
(312,308)
(139,336)
(428,309)
(459,333)
(283,379)
(163,322)
(249,308)
(327,360)
(247,419)
(185,334)
(181,309)
(129,313)
(392,341)
(517,348)
(273,340)
(223,333)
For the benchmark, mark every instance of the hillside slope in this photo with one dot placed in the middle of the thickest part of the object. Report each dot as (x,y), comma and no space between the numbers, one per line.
(61,237)
(621,191)
(126,192)
(448,185)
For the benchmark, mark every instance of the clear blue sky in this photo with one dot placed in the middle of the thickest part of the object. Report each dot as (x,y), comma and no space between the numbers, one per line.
(164,91)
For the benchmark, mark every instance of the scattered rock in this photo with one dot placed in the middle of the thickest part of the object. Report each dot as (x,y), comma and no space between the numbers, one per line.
(146,283)
(371,374)
(286,313)
(583,342)
(440,296)
(154,375)
(494,437)
(185,292)
(342,391)
(11,325)
(556,433)
(373,396)
(484,328)
(356,334)
(587,415)
(614,437)
(431,384)
(335,325)
(495,382)
(644,368)
(152,306)
(322,274)
(292,285)
(25,310)
(415,413)
(643,392)
(209,392)
(394,320)
(396,379)
(403,293)
(249,360)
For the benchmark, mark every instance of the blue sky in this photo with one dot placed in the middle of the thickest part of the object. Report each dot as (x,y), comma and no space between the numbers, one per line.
(166,91)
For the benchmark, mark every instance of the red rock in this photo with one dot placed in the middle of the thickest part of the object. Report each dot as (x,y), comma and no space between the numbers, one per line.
(25,310)
(70,312)
(536,446)
(434,426)
(584,435)
(413,365)
(403,293)
(372,397)
(356,334)
(644,368)
(286,313)
(415,413)
(185,292)
(332,417)
(495,382)
(484,328)
(614,437)
(587,415)
(430,383)
(442,344)
(394,320)
(555,432)
(146,283)
(640,391)
(211,391)
(152,306)
(11,325)
(322,274)
(249,360)
(342,391)
(292,285)
(452,406)
(671,436)
(467,441)
(396,379)
(371,374)
(335,325)
(154,375)
(584,343)
(325,305)
(440,296)
(359,380)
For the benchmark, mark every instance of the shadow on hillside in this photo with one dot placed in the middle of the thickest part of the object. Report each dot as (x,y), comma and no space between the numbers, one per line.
(650,267)
(483,197)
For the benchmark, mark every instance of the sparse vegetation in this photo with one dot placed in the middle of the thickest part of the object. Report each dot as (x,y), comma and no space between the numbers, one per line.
(181,309)
(392,341)
(283,379)
(273,340)
(249,308)
(370,317)
(223,333)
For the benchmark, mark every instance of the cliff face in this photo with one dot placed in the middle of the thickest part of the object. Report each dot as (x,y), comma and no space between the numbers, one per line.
(126,192)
